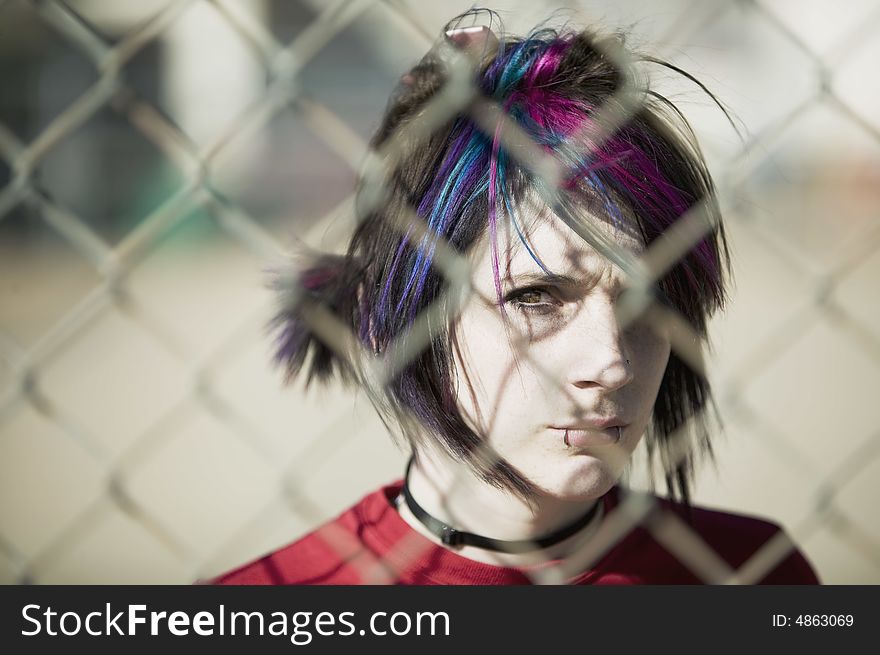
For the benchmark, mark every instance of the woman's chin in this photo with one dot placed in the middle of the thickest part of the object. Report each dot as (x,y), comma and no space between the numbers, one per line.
(580,480)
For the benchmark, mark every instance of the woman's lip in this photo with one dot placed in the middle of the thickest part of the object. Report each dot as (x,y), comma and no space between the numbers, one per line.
(596,423)
(583,438)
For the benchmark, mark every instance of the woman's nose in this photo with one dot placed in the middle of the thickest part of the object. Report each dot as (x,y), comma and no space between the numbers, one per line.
(597,347)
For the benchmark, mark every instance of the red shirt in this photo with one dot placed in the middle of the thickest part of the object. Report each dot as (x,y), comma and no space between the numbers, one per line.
(371,544)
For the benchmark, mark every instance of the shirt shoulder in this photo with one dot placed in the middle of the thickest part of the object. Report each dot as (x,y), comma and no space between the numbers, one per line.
(760,550)
(333,554)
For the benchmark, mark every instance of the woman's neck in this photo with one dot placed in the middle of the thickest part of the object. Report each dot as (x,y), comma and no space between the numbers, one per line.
(451,493)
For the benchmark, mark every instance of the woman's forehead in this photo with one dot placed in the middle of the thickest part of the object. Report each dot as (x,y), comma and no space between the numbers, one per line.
(556,247)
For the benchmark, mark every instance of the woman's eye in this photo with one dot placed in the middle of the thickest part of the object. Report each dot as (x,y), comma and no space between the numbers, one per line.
(532,299)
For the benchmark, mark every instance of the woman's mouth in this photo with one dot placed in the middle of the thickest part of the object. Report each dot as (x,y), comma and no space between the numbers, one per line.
(591,437)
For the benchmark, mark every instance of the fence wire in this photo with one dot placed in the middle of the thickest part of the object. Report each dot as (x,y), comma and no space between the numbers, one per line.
(283,63)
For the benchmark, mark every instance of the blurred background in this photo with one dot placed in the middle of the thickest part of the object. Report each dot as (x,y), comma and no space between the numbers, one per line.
(158,158)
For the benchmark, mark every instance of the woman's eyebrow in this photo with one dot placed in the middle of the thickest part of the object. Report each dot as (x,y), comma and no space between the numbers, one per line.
(553,279)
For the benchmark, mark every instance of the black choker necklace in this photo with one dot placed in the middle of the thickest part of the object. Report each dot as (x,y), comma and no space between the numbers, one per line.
(452,537)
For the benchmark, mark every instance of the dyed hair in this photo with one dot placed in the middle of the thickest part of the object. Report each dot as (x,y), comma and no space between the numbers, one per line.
(647,174)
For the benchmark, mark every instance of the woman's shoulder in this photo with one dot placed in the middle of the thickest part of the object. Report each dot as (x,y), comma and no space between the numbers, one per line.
(334,553)
(719,543)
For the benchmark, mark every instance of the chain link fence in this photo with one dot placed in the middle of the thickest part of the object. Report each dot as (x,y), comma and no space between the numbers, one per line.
(157,158)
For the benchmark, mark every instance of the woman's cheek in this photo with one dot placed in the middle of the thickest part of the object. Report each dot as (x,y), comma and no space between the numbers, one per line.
(499,367)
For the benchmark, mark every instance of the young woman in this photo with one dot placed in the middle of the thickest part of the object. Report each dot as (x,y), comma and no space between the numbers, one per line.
(528,296)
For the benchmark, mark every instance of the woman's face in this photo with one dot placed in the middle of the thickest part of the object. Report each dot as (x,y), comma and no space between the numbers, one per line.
(603,380)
